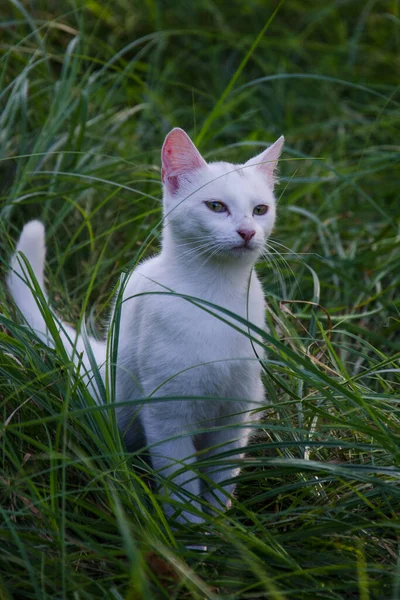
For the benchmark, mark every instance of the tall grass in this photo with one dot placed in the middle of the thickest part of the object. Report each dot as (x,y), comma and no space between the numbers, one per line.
(88,91)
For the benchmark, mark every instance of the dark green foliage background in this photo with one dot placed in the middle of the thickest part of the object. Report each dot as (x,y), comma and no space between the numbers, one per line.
(88,90)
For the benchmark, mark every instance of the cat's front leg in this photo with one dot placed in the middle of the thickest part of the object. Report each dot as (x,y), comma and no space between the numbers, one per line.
(232,437)
(218,490)
(171,457)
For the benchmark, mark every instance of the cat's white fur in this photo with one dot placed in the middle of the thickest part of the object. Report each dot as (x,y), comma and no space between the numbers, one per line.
(169,345)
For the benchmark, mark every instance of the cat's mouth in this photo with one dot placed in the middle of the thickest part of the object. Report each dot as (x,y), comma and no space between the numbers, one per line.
(240,250)
(243,248)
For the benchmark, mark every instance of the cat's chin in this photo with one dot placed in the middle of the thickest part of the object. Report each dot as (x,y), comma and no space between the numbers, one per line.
(245,252)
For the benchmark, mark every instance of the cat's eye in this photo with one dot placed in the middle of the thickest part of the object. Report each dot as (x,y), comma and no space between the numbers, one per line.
(215,206)
(261,209)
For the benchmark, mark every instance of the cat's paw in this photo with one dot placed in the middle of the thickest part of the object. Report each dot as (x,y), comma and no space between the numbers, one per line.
(197,548)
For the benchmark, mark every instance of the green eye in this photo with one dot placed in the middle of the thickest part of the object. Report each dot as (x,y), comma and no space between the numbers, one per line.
(261,209)
(218,207)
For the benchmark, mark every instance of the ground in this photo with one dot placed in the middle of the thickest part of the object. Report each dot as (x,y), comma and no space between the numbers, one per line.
(88,92)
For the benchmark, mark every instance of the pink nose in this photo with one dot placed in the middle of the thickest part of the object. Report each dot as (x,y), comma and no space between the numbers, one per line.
(246,234)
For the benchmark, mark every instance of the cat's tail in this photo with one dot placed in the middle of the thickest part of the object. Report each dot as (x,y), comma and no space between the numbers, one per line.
(31,244)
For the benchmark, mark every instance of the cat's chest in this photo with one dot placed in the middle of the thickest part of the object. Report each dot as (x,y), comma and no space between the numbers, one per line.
(160,303)
(191,340)
(201,324)
(186,349)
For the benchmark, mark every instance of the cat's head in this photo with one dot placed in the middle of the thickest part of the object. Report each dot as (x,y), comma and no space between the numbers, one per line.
(222,209)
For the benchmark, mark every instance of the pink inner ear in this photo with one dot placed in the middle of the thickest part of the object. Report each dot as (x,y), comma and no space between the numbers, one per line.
(179,155)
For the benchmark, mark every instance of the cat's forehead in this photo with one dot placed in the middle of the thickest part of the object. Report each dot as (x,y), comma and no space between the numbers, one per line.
(238,182)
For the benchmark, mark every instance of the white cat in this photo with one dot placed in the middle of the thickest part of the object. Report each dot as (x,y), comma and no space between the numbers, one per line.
(217,217)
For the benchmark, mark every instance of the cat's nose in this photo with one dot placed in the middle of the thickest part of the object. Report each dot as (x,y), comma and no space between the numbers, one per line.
(246,234)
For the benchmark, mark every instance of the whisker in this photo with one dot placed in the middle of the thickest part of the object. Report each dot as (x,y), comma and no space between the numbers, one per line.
(201,253)
(269,245)
(276,269)
(217,249)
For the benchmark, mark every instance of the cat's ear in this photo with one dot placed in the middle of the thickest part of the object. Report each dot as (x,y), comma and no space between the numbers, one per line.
(179,156)
(267,161)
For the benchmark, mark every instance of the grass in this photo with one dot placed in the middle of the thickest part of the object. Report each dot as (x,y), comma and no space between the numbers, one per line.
(88,91)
